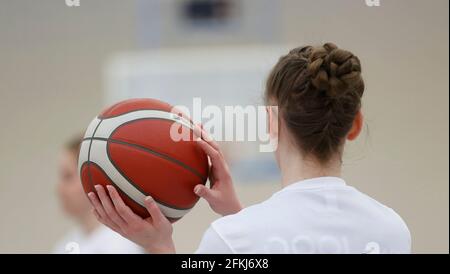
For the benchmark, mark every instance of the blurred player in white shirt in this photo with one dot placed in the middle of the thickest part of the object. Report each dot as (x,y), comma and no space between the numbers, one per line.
(88,235)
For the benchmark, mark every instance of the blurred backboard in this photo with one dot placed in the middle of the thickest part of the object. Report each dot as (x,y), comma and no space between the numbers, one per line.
(207,22)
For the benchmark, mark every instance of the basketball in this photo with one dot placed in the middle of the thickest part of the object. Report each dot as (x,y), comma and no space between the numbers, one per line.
(129,145)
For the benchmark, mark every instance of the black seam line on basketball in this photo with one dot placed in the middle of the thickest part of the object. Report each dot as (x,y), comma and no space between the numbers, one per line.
(131,111)
(135,110)
(166,157)
(138,187)
(155,152)
(176,120)
(173,219)
(88,168)
(89,154)
(147,118)
(116,186)
(120,190)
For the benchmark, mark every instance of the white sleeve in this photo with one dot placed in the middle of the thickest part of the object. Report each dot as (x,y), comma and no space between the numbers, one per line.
(213,243)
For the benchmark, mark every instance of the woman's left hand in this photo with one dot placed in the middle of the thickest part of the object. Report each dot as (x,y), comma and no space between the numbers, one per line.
(154,233)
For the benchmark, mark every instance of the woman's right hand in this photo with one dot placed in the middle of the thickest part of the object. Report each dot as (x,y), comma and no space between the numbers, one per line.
(154,233)
(221,195)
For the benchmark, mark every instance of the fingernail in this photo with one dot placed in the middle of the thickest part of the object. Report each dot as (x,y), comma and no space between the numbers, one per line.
(109,187)
(91,194)
(97,187)
(197,190)
(149,199)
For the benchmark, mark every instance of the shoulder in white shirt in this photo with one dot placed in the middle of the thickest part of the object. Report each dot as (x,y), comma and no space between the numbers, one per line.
(100,241)
(319,215)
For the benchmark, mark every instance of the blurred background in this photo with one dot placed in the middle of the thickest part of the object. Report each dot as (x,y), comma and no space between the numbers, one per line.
(60,65)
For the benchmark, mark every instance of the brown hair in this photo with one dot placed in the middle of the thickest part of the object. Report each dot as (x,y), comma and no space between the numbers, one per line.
(74,145)
(318,91)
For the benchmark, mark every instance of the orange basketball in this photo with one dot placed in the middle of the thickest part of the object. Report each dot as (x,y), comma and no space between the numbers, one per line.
(130,146)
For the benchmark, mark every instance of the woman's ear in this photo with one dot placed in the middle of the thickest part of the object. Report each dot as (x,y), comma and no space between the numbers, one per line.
(272,112)
(356,127)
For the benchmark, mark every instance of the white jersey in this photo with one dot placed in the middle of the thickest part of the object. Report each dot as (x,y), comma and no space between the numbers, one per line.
(100,241)
(319,215)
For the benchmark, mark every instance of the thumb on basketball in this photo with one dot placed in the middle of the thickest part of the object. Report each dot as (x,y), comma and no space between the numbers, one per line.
(204,192)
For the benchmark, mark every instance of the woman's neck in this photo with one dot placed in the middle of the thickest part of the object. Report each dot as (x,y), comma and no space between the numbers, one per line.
(295,168)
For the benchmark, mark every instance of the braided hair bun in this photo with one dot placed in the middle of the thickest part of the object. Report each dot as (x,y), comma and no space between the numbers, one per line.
(318,91)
